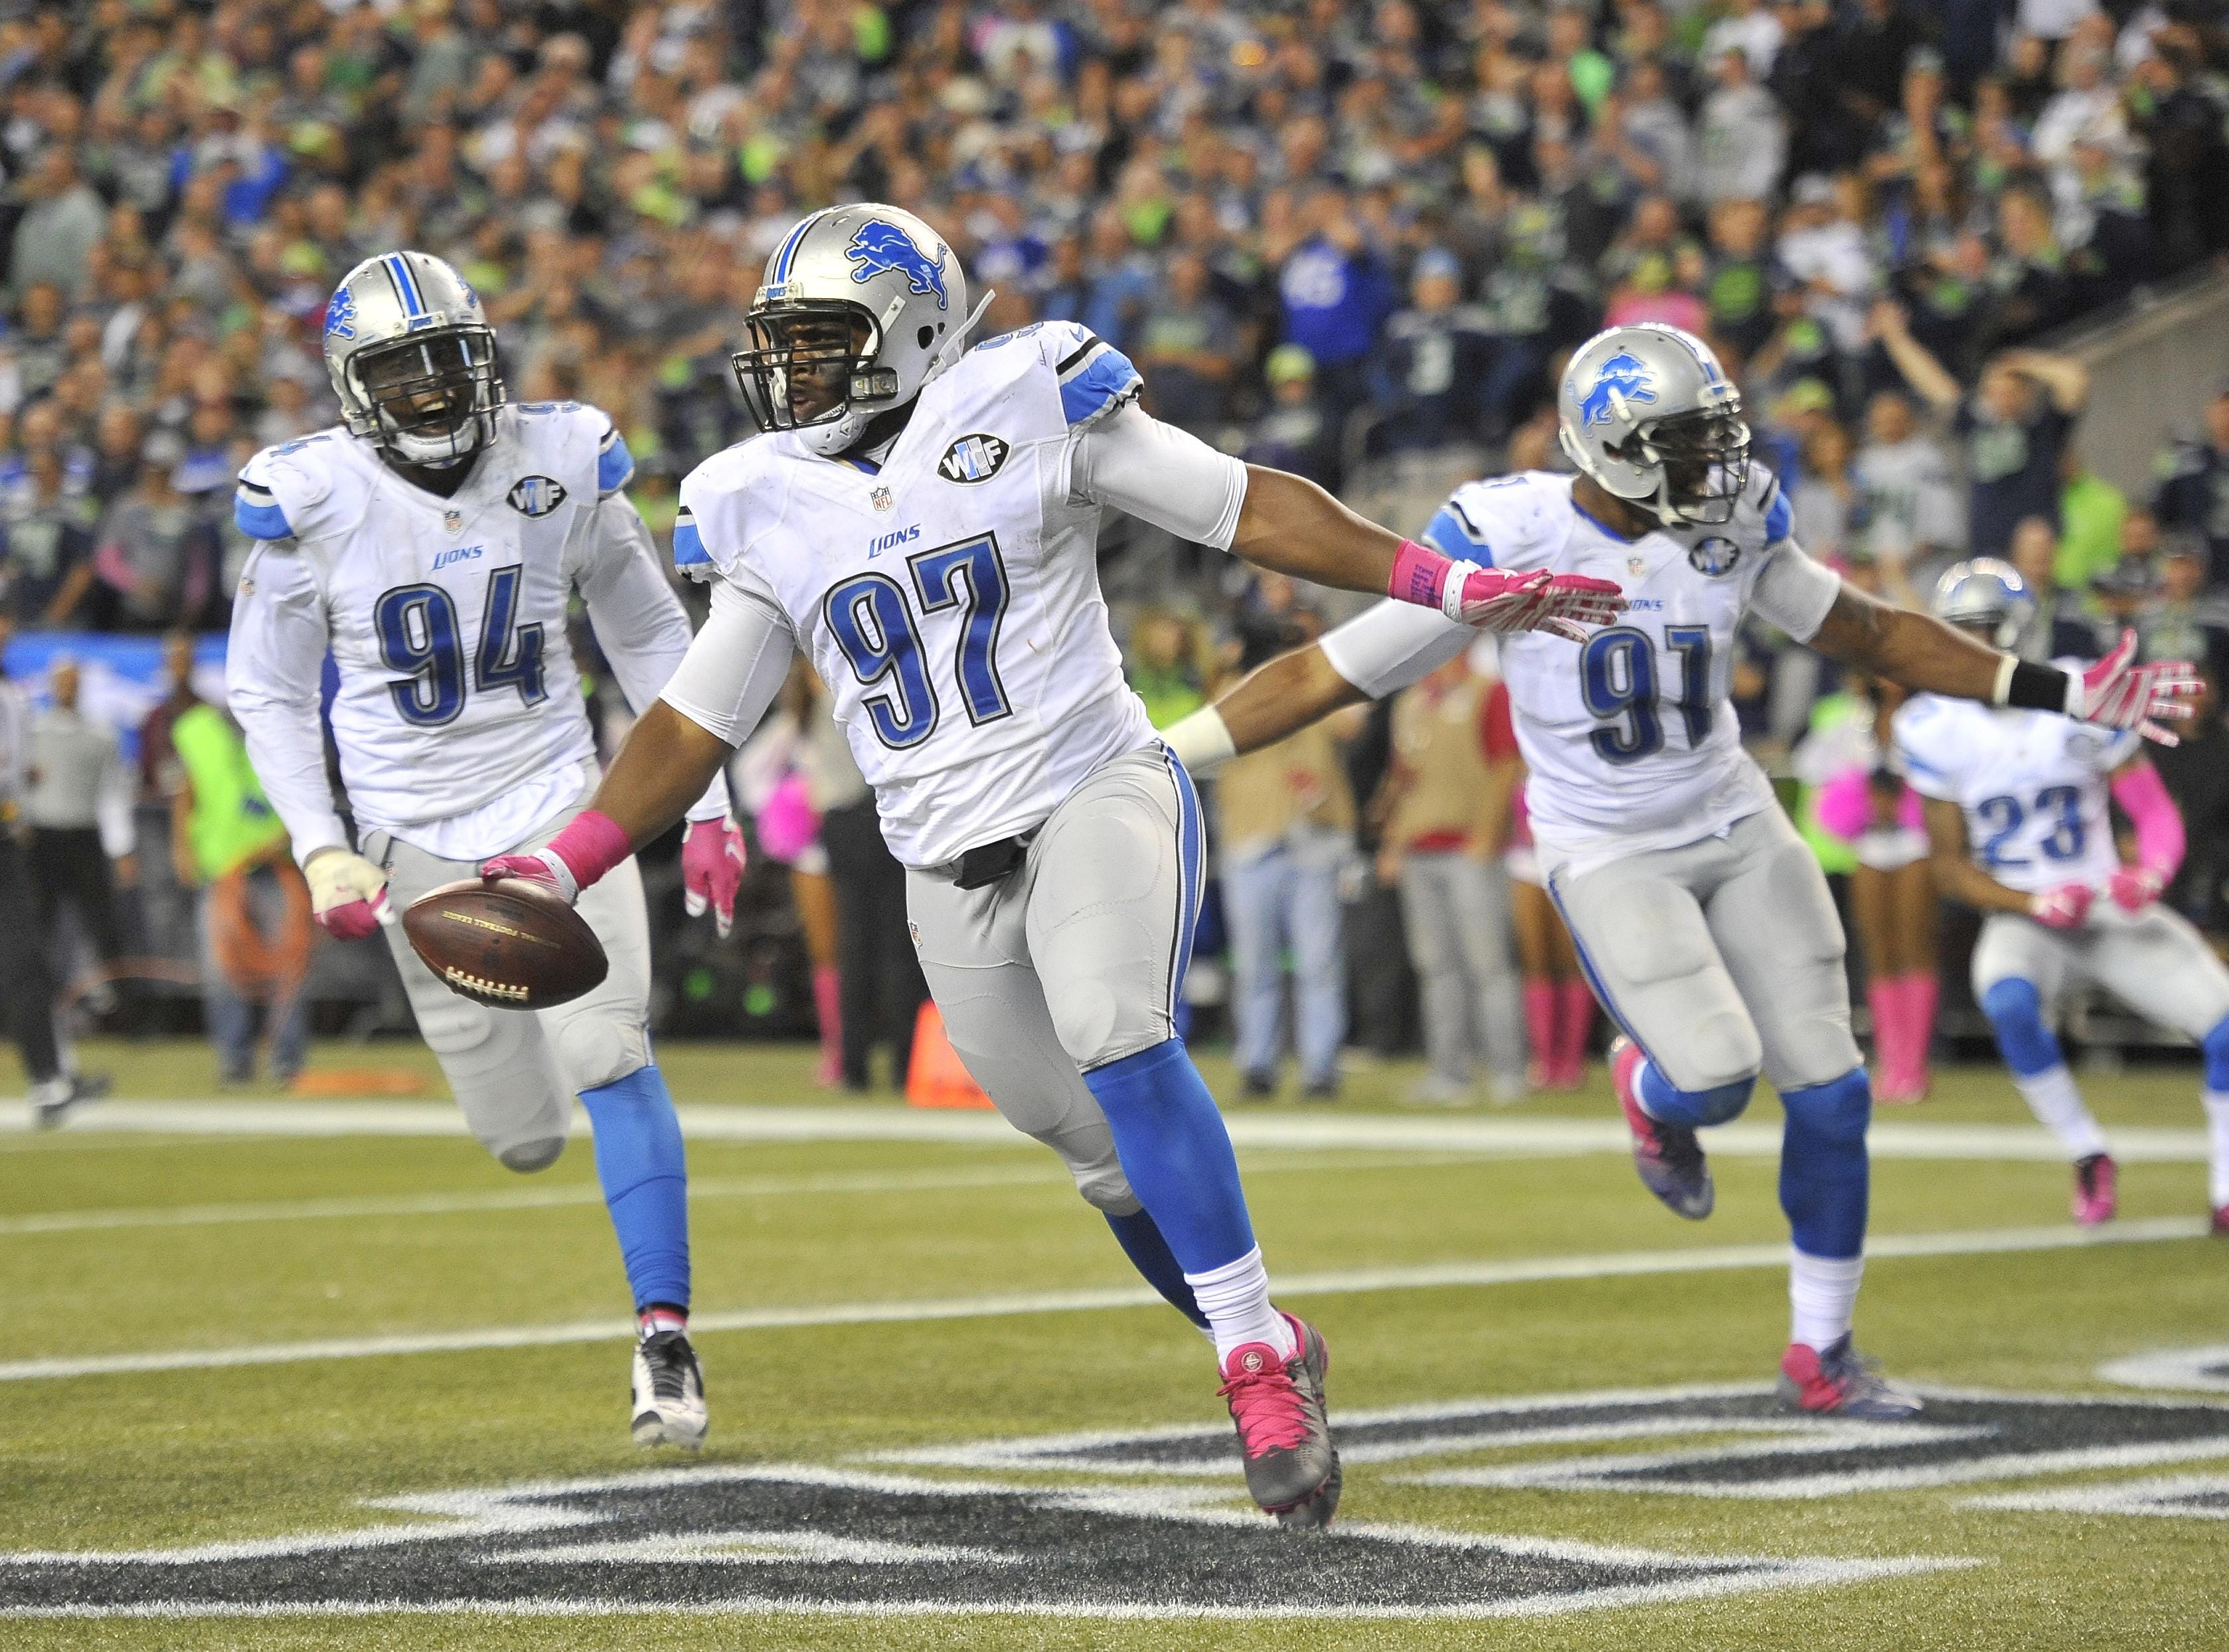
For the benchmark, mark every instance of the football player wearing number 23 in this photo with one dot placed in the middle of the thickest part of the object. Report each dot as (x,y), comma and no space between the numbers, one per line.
(1701,918)
(921,518)
(431,543)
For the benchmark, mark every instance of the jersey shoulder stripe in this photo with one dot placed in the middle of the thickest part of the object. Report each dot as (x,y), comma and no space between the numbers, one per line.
(258,513)
(1454,534)
(1779,515)
(1095,379)
(691,559)
(615,465)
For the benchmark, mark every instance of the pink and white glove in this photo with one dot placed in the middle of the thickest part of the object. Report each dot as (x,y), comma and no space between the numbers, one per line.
(589,846)
(2119,694)
(1495,600)
(2064,908)
(2135,888)
(348,893)
(712,870)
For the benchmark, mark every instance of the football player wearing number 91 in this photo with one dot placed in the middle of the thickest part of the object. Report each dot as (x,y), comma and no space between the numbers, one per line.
(2021,829)
(1701,918)
(923,518)
(432,543)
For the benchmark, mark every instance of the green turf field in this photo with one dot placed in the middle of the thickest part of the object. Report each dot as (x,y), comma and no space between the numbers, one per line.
(167,1271)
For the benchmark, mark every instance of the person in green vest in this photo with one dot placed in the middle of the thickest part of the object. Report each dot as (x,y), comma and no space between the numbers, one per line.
(252,910)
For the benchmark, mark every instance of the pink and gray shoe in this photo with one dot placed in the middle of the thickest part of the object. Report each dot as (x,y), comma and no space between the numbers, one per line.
(1284,1439)
(1838,1381)
(2220,1229)
(2097,1193)
(1669,1157)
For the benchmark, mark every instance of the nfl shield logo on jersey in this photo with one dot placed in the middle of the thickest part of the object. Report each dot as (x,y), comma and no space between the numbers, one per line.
(1715,555)
(973,458)
(882,498)
(536,496)
(454,521)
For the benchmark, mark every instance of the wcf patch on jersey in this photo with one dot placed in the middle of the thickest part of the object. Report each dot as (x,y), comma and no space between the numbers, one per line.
(536,496)
(974,458)
(1715,555)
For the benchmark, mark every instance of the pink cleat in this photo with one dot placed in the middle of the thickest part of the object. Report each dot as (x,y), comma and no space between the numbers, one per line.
(2220,1229)
(1669,1157)
(2095,1191)
(1284,1439)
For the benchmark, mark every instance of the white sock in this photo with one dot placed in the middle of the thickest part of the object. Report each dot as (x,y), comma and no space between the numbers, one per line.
(1823,1295)
(2217,1116)
(1236,1299)
(2051,1095)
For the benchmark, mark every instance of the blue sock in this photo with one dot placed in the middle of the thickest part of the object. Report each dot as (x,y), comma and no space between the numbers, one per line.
(2215,1044)
(1824,1176)
(1176,1154)
(1692,1107)
(2015,1012)
(1150,1254)
(639,1162)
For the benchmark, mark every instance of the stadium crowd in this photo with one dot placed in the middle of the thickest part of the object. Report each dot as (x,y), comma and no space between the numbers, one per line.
(1351,241)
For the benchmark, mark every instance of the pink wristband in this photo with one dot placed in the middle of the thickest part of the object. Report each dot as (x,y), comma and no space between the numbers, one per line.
(1420,575)
(590,846)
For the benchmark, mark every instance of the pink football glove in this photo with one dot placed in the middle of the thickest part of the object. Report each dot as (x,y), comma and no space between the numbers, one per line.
(2135,888)
(712,870)
(589,846)
(1496,601)
(348,893)
(2064,908)
(2121,695)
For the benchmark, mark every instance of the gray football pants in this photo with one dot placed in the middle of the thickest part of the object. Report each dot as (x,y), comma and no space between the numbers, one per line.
(1455,909)
(1074,960)
(1719,958)
(515,1072)
(2152,961)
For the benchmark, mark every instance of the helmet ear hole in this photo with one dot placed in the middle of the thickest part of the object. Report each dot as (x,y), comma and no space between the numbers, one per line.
(921,338)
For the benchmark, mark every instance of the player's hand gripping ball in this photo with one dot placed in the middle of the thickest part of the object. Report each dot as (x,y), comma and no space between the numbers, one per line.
(506,942)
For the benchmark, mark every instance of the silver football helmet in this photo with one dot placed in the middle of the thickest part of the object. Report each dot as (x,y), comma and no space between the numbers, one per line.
(413,359)
(1647,412)
(1986,595)
(859,307)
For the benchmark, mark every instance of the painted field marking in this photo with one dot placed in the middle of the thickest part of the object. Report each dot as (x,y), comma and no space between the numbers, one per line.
(1415,1276)
(1894,1139)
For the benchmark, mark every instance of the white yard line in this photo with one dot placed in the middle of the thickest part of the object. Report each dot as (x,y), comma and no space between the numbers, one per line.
(1417,1276)
(852,1122)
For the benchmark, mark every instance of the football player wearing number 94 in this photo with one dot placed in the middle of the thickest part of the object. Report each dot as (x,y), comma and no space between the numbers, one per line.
(431,542)
(923,518)
(1702,919)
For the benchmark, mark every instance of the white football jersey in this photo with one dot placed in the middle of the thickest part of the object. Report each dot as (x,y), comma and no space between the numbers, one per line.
(457,697)
(1630,738)
(948,597)
(2034,785)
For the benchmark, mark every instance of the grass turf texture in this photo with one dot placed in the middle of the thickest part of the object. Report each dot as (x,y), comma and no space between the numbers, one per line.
(198,1455)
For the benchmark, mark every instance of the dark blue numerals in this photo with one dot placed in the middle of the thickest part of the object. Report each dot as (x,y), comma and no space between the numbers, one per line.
(870,622)
(971,572)
(1619,680)
(509,659)
(2068,836)
(417,627)
(419,636)
(2002,816)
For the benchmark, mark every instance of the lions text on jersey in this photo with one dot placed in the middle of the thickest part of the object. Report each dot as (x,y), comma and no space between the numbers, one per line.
(1630,739)
(2033,786)
(458,713)
(949,596)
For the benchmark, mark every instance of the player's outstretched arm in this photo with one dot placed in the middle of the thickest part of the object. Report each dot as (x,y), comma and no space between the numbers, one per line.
(1921,653)
(1274,700)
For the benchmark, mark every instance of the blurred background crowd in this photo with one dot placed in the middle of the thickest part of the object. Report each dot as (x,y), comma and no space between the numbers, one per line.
(1351,239)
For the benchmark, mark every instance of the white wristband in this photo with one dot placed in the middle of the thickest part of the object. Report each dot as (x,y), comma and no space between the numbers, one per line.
(2006,665)
(1202,742)
(1452,587)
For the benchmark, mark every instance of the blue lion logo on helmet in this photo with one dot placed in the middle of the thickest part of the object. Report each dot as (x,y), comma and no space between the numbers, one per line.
(880,245)
(340,315)
(1623,373)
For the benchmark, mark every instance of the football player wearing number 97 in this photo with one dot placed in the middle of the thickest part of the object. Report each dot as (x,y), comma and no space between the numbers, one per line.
(432,543)
(923,518)
(2018,815)
(1701,918)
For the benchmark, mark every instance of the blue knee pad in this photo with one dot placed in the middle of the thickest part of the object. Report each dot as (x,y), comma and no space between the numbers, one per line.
(2015,1010)
(641,1164)
(1175,1153)
(1692,1107)
(2216,1046)
(1825,1177)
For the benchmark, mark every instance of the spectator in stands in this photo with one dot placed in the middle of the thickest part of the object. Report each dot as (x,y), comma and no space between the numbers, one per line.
(159,773)
(2120,595)
(1337,292)
(1914,514)
(79,808)
(1187,350)
(1741,132)
(55,236)
(2182,620)
(1294,434)
(155,555)
(1454,891)
(2193,493)
(2091,510)
(2016,425)
(1435,359)
(2056,627)
(46,550)
(2196,771)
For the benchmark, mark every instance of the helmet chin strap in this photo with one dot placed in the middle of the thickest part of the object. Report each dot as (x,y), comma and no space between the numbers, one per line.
(954,347)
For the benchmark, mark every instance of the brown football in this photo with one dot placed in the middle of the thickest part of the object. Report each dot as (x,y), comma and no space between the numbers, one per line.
(507,942)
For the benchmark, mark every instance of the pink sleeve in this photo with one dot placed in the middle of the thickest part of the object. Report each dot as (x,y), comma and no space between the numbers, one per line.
(2143,798)
(1842,805)
(1910,811)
